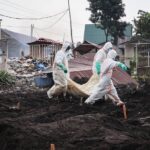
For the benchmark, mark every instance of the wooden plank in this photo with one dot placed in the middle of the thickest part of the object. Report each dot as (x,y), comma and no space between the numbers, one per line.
(52,146)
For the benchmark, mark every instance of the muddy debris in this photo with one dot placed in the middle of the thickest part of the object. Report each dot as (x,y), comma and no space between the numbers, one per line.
(41,122)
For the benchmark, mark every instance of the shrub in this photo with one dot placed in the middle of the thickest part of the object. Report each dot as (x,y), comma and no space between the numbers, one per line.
(6,78)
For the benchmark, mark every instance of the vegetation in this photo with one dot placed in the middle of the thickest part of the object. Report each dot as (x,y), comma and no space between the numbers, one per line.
(6,79)
(142,24)
(106,14)
(132,66)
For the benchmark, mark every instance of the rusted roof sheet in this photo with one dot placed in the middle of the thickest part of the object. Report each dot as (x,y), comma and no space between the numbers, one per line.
(82,63)
(86,47)
(121,77)
(81,74)
(82,67)
(45,41)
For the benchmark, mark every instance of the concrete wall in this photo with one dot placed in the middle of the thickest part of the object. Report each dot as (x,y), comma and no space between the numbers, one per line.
(15,48)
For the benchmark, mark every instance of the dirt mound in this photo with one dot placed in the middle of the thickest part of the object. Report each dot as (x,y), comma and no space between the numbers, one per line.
(69,126)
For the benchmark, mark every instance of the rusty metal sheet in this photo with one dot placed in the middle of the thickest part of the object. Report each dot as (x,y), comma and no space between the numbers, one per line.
(82,67)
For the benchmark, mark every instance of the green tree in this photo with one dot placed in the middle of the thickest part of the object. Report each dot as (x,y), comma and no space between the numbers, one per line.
(142,24)
(106,14)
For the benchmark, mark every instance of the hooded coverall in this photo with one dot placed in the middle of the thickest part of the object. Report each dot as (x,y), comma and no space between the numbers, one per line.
(60,74)
(100,56)
(105,85)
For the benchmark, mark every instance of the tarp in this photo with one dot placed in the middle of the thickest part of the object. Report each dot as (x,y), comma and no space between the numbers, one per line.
(82,90)
(85,90)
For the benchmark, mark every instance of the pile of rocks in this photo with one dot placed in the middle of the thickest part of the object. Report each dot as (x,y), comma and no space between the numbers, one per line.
(26,70)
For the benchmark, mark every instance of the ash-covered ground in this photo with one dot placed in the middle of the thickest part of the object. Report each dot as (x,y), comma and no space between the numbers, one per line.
(41,121)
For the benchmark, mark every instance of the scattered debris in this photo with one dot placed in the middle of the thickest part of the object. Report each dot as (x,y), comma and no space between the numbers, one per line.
(69,126)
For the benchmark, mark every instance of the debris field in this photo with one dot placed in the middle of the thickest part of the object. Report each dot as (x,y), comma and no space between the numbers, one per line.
(39,122)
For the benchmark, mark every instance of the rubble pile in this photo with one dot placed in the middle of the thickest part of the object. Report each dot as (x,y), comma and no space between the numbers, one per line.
(26,70)
(39,122)
(26,66)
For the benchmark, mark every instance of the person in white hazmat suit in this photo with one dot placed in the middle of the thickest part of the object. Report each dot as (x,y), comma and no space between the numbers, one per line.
(100,56)
(60,71)
(105,85)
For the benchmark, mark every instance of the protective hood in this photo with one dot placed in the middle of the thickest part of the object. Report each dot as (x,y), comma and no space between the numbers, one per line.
(112,54)
(107,46)
(69,54)
(65,46)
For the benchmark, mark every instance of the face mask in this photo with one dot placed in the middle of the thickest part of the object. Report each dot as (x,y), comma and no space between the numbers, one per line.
(69,54)
(109,49)
(68,48)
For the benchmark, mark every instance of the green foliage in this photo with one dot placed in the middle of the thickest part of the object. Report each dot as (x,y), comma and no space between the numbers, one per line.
(106,14)
(6,78)
(132,65)
(142,24)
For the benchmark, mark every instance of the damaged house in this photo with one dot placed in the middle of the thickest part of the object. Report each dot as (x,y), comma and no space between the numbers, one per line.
(44,49)
(15,43)
(137,55)
(12,45)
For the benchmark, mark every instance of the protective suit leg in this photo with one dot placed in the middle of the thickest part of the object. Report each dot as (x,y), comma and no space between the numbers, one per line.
(99,91)
(60,84)
(106,97)
(113,92)
(55,90)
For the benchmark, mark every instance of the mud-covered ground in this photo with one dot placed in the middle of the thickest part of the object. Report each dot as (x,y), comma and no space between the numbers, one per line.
(69,126)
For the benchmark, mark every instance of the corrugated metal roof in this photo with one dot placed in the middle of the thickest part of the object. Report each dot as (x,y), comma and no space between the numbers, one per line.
(86,47)
(121,77)
(45,41)
(82,63)
(80,74)
(82,67)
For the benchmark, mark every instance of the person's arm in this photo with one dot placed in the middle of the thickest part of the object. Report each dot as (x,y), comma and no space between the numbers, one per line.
(98,60)
(122,66)
(118,64)
(62,66)
(98,67)
(59,59)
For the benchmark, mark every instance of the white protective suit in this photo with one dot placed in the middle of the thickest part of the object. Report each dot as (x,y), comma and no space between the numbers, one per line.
(105,85)
(101,55)
(59,76)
